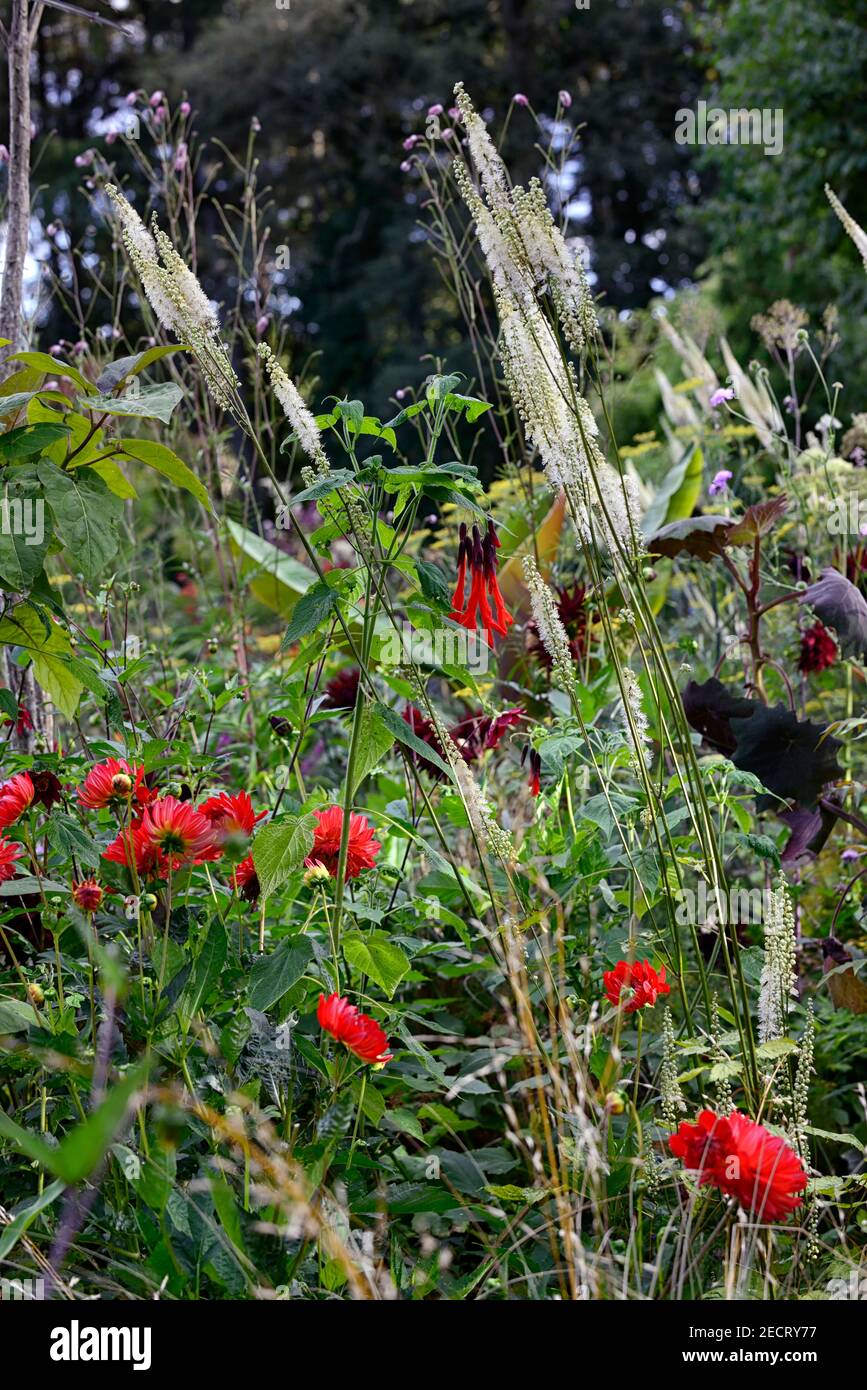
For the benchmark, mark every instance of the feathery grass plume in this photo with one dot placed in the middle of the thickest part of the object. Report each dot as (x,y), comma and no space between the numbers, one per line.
(552,633)
(296,412)
(636,726)
(176,297)
(777,985)
(858,235)
(671,1098)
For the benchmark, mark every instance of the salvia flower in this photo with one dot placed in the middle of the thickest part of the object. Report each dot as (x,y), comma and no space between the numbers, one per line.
(639,977)
(87,894)
(535,767)
(477,557)
(357,1031)
(362,848)
(744,1160)
(9,853)
(15,797)
(818,649)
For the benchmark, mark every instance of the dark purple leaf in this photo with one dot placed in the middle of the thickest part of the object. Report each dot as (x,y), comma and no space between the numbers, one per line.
(710,707)
(788,755)
(841,606)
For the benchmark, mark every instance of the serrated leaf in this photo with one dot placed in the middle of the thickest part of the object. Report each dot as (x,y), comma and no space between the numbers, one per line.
(207,968)
(50,650)
(311,610)
(25,531)
(404,734)
(373,740)
(86,515)
(777,1047)
(279,849)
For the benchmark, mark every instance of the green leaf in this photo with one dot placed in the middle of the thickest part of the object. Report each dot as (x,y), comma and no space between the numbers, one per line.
(777,1047)
(337,478)
(15,1015)
(373,740)
(273,976)
(275,578)
(50,650)
(279,849)
(376,956)
(678,493)
(52,366)
(207,968)
(26,440)
(312,609)
(164,461)
(114,478)
(68,838)
(26,1215)
(125,367)
(25,531)
(404,734)
(86,515)
(82,1149)
(152,403)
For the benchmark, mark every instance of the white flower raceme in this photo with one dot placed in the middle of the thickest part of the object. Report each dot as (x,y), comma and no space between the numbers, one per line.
(779,974)
(671,1098)
(552,633)
(297,413)
(524,248)
(176,297)
(636,726)
(479,811)
(858,235)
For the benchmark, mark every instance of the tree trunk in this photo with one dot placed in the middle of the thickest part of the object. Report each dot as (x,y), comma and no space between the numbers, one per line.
(18,203)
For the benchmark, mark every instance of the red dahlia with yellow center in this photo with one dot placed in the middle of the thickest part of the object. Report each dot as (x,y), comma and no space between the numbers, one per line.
(179,833)
(362,848)
(9,852)
(112,781)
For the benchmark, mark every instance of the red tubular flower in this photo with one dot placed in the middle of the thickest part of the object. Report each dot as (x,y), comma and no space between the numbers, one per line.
(362,848)
(179,833)
(113,781)
(361,1034)
(480,558)
(15,796)
(744,1160)
(818,649)
(230,815)
(533,782)
(23,723)
(88,894)
(9,852)
(641,978)
(245,880)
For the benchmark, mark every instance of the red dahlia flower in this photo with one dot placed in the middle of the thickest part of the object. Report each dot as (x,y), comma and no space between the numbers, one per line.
(245,880)
(9,852)
(361,1034)
(641,978)
(341,691)
(230,815)
(818,649)
(362,848)
(133,846)
(179,833)
(115,780)
(480,558)
(88,894)
(15,796)
(744,1160)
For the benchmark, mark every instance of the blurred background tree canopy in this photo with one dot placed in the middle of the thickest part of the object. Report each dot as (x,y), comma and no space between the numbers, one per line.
(337,85)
